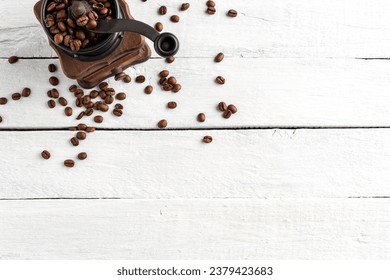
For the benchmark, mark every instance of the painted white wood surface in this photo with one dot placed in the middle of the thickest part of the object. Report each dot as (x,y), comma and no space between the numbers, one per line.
(267,92)
(177,165)
(196,229)
(269,28)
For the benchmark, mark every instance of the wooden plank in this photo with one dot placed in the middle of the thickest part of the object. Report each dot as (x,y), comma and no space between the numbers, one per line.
(267,92)
(195,229)
(277,28)
(176,165)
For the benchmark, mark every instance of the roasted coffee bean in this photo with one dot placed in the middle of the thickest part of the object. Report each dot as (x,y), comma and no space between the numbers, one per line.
(117,112)
(16,96)
(94,94)
(232,108)
(51,103)
(62,26)
(80,35)
(227,114)
(81,126)
(80,116)
(127,79)
(51,6)
(220,80)
(140,79)
(49,94)
(45,154)
(58,39)
(207,139)
(82,156)
(92,24)
(103,107)
(159,26)
(175,18)
(93,15)
(13,59)
(54,81)
(103,86)
(81,135)
(75,142)
(69,163)
(201,117)
(170,59)
(219,57)
(120,76)
(121,96)
(89,105)
(164,74)
(67,40)
(52,68)
(86,100)
(54,93)
(68,111)
(79,102)
(172,81)
(232,13)
(167,87)
(210,3)
(102,94)
(162,124)
(79,93)
(176,88)
(109,99)
(172,105)
(222,106)
(98,119)
(148,90)
(89,112)
(82,21)
(26,92)
(75,45)
(3,101)
(90,129)
(119,106)
(73,88)
(162,10)
(49,21)
(110,91)
(63,101)
(211,10)
(163,81)
(185,6)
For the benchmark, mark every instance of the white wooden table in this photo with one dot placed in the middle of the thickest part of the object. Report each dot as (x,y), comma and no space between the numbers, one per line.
(302,171)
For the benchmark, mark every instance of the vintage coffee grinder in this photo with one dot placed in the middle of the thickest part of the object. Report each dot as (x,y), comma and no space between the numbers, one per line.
(123,44)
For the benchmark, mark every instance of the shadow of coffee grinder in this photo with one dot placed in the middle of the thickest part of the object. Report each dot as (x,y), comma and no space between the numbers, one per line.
(118,41)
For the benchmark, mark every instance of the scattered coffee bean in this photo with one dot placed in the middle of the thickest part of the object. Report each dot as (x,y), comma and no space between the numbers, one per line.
(119,106)
(162,124)
(68,111)
(98,119)
(63,101)
(227,114)
(172,81)
(80,116)
(103,86)
(52,68)
(51,103)
(232,108)
(81,135)
(159,26)
(148,90)
(26,92)
(75,142)
(16,96)
(162,10)
(103,107)
(13,59)
(176,88)
(140,79)
(117,112)
(69,163)
(185,6)
(120,76)
(3,101)
(219,57)
(89,112)
(45,154)
(232,13)
(54,81)
(220,80)
(222,106)
(90,129)
(164,74)
(109,99)
(172,105)
(81,126)
(167,86)
(163,81)
(175,18)
(210,3)
(121,96)
(170,59)
(82,156)
(54,93)
(73,88)
(211,10)
(58,38)
(94,94)
(127,79)
(207,139)
(201,117)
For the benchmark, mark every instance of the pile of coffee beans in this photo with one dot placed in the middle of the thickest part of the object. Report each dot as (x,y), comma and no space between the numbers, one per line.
(227,111)
(168,83)
(74,31)
(211,10)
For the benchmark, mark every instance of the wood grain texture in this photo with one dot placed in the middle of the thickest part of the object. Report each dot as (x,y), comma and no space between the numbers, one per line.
(267,92)
(176,165)
(277,28)
(195,229)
